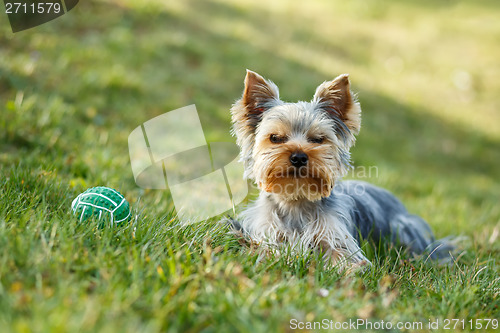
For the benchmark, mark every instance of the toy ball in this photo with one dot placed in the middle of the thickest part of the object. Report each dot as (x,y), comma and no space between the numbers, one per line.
(102,203)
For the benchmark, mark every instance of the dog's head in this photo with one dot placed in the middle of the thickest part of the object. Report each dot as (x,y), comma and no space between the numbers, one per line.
(296,150)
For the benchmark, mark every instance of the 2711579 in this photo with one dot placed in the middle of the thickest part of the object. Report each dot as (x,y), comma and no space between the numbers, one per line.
(33,8)
(473,324)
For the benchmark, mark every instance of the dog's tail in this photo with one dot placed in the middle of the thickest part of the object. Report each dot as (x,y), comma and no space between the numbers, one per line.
(416,235)
(444,250)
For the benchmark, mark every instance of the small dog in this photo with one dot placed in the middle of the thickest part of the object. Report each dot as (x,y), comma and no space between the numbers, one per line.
(296,153)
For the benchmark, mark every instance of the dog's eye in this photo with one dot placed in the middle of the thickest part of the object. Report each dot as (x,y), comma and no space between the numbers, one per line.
(317,140)
(275,138)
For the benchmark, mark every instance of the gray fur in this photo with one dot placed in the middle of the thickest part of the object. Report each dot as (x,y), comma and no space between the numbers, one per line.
(377,214)
(363,210)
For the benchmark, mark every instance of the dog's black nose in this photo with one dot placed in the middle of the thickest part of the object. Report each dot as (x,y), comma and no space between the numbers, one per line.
(298,159)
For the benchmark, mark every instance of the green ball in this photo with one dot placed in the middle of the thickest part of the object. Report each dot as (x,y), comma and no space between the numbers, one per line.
(102,203)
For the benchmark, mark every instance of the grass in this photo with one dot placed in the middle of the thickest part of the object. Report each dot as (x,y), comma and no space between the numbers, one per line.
(73,89)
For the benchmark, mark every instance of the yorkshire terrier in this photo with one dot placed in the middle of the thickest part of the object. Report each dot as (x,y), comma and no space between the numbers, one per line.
(296,153)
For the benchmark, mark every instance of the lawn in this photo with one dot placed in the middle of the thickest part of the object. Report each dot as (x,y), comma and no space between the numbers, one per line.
(71,91)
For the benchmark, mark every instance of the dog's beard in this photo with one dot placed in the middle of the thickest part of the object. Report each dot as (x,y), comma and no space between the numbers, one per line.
(311,182)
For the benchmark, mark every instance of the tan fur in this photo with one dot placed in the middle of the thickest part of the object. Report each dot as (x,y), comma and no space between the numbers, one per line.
(275,173)
(337,92)
(247,112)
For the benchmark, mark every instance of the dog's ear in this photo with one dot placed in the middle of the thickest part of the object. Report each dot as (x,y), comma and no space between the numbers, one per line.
(335,97)
(258,96)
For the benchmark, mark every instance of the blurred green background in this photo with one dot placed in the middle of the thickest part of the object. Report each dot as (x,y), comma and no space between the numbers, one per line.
(426,74)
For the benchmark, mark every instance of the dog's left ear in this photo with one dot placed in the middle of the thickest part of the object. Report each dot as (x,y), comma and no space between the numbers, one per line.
(335,97)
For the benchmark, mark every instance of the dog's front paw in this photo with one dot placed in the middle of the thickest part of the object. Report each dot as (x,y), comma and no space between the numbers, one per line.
(360,266)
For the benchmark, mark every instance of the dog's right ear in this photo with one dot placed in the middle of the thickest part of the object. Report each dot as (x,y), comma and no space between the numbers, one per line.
(259,95)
